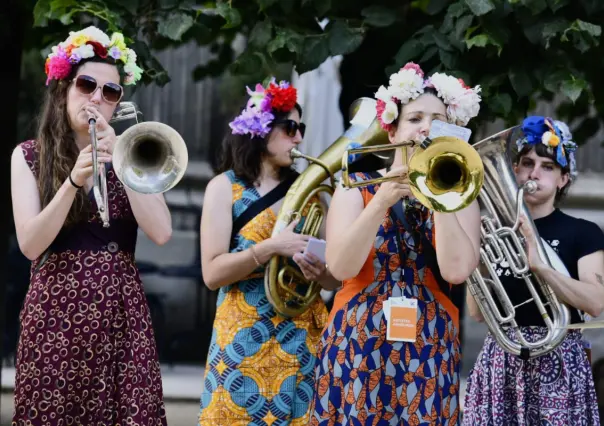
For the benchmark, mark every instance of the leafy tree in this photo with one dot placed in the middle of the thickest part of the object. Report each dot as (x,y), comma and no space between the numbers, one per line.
(519,51)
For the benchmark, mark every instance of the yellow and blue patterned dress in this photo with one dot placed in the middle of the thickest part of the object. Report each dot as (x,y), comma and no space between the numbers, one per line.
(260,367)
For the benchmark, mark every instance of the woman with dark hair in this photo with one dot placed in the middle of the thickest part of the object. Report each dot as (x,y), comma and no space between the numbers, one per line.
(260,365)
(390,354)
(86,351)
(556,388)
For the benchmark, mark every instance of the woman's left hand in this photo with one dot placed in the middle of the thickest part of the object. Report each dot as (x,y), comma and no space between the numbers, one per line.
(311,266)
(105,135)
(534,259)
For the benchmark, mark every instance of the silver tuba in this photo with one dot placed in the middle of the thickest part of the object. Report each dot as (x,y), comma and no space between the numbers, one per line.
(148,157)
(502,203)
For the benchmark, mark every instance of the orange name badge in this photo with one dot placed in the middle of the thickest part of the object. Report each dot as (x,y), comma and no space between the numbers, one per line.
(402,320)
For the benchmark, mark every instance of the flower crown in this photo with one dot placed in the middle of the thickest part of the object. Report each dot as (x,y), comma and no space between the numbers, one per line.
(86,44)
(463,102)
(257,116)
(555,135)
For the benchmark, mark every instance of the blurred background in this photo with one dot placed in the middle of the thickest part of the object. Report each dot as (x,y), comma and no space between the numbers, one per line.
(529,56)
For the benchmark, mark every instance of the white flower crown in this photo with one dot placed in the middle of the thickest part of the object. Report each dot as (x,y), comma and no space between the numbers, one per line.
(463,102)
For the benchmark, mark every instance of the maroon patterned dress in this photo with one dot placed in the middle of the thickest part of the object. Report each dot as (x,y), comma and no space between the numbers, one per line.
(86,353)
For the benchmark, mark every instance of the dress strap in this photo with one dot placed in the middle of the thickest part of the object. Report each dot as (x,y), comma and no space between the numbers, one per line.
(31,152)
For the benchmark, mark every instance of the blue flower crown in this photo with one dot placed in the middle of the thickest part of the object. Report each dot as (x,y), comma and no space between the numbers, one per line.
(555,135)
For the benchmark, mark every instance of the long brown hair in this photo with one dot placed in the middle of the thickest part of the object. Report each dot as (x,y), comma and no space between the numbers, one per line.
(58,150)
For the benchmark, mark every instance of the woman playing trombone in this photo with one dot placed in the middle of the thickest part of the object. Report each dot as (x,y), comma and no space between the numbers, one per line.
(86,352)
(556,388)
(366,374)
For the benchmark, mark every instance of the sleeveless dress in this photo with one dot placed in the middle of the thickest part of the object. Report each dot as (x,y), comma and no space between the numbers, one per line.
(364,379)
(260,367)
(86,352)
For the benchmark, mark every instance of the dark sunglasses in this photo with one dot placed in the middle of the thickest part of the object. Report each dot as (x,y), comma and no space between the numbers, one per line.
(111,92)
(291,127)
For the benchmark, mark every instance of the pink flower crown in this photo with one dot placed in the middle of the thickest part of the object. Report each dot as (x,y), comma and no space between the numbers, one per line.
(257,117)
(463,102)
(88,43)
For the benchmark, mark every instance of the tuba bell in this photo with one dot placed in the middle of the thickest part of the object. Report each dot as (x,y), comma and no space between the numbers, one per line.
(286,288)
(148,157)
(502,203)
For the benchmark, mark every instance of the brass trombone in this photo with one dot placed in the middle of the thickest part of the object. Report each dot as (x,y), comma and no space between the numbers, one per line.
(445,173)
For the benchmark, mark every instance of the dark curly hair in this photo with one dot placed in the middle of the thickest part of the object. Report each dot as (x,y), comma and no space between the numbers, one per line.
(243,154)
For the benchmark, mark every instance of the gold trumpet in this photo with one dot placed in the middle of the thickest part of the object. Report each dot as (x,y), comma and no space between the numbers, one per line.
(445,173)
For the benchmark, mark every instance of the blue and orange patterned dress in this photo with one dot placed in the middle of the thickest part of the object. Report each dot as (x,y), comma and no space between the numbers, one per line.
(364,379)
(260,367)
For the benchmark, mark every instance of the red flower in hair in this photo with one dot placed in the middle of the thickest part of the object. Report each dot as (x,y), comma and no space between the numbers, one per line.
(98,48)
(282,99)
(463,84)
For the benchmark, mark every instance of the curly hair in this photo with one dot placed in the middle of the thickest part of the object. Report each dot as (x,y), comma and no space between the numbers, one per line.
(58,149)
(543,151)
(243,154)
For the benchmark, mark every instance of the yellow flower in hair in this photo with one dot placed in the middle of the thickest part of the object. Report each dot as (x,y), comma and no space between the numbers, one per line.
(550,139)
(79,40)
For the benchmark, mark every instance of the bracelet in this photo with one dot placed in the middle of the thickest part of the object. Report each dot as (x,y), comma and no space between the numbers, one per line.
(73,183)
(254,256)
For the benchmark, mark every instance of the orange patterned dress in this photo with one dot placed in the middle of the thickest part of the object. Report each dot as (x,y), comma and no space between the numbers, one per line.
(364,379)
(260,367)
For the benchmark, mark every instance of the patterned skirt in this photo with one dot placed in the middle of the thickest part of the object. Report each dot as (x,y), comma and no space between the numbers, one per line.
(556,389)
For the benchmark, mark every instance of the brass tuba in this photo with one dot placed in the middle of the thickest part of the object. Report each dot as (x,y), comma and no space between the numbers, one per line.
(148,157)
(286,288)
(502,202)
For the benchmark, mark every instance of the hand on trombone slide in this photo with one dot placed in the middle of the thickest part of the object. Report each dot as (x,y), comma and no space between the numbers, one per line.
(83,168)
(393,191)
(105,135)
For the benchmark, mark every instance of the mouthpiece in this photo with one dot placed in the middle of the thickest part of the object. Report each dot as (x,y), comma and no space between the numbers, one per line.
(530,186)
(295,153)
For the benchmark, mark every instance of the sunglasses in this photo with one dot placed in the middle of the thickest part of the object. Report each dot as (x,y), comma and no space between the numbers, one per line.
(87,85)
(291,127)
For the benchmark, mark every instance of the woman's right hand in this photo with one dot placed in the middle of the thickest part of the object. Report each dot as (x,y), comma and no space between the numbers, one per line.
(287,242)
(392,191)
(83,169)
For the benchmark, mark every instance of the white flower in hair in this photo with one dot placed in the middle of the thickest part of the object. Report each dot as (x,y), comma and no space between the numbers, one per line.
(463,102)
(390,112)
(465,107)
(406,85)
(85,51)
(96,35)
(448,87)
(383,94)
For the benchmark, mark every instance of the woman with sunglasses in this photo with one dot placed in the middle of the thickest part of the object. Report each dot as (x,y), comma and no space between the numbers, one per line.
(260,365)
(86,351)
(390,353)
(556,388)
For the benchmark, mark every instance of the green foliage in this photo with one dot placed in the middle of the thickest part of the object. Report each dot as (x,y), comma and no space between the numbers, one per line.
(518,51)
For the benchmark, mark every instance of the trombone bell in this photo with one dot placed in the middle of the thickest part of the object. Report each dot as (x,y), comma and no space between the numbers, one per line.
(445,173)
(150,158)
